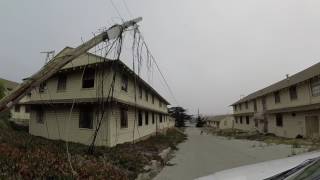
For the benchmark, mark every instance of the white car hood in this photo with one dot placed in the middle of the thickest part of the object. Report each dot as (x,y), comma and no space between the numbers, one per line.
(261,170)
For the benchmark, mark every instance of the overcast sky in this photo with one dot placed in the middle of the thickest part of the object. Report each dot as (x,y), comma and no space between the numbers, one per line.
(211,51)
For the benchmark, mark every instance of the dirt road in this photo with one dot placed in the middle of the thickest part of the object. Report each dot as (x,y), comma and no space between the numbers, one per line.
(205,154)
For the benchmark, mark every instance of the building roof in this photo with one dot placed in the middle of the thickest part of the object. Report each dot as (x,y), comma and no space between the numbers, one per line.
(9,85)
(290,81)
(217,117)
(95,59)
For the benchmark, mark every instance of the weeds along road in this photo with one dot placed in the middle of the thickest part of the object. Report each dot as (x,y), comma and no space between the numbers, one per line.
(205,154)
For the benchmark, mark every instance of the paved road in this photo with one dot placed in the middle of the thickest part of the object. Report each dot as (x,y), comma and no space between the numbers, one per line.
(205,154)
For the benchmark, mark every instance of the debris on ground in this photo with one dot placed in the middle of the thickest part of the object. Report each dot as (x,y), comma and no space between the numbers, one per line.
(268,138)
(23,156)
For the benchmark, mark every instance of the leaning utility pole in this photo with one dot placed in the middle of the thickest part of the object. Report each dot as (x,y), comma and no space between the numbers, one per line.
(57,63)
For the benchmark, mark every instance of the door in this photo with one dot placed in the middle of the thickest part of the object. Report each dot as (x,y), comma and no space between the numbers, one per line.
(312,126)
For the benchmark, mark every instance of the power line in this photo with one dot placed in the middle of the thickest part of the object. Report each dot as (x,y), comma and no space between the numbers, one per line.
(127,8)
(117,10)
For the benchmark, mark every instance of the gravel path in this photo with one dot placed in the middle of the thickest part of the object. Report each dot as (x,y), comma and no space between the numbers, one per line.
(205,154)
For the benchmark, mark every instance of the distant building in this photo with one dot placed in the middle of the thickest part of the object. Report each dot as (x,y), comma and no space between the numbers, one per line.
(287,108)
(20,114)
(135,110)
(220,121)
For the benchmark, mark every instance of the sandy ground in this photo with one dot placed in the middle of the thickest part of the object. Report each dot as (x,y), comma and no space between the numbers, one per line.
(205,154)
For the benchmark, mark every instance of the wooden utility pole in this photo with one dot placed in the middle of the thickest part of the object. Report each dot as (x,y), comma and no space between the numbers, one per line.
(57,63)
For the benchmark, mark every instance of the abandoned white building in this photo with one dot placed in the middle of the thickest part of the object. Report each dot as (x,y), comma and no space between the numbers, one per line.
(92,92)
(20,114)
(225,121)
(287,108)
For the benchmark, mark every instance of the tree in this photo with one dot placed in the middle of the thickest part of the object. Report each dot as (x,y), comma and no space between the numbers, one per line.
(180,115)
(200,121)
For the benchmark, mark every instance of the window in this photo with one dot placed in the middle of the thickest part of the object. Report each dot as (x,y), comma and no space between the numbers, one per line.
(123,117)
(27,108)
(160,103)
(255,105)
(124,83)
(140,92)
(42,87)
(293,92)
(276,97)
(152,98)
(160,117)
(279,120)
(246,105)
(235,107)
(146,118)
(86,118)
(39,116)
(62,83)
(247,120)
(315,86)
(88,78)
(147,95)
(153,118)
(240,119)
(139,118)
(17,108)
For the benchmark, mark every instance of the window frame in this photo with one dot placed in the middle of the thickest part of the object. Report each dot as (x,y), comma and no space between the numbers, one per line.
(146,118)
(279,120)
(86,112)
(88,79)
(293,92)
(62,82)
(140,118)
(17,108)
(124,82)
(153,118)
(277,98)
(42,87)
(315,85)
(241,122)
(40,115)
(140,92)
(123,117)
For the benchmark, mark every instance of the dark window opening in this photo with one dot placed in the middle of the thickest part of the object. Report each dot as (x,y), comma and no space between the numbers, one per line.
(146,118)
(27,108)
(140,118)
(152,99)
(246,105)
(160,103)
(42,87)
(147,95)
(140,92)
(279,120)
(86,118)
(124,85)
(293,92)
(62,83)
(160,117)
(236,118)
(247,120)
(123,117)
(88,78)
(277,97)
(153,118)
(255,105)
(17,108)
(240,107)
(39,116)
(240,119)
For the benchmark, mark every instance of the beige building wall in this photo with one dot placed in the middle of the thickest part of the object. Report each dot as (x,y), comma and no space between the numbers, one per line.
(227,123)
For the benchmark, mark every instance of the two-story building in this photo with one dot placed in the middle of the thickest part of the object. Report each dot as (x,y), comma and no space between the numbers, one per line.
(20,114)
(92,92)
(288,108)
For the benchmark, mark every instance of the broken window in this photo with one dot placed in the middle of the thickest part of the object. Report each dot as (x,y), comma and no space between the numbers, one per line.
(240,119)
(17,108)
(40,115)
(276,97)
(62,83)
(247,120)
(160,117)
(124,83)
(139,118)
(86,117)
(315,86)
(88,78)
(123,117)
(42,87)
(293,92)
(279,120)
(146,118)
